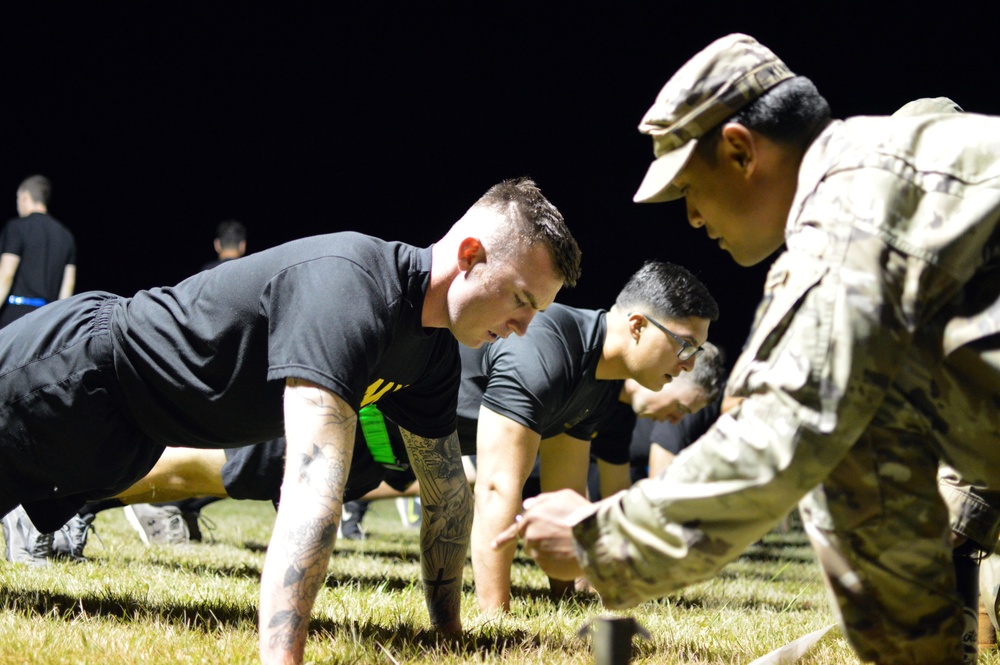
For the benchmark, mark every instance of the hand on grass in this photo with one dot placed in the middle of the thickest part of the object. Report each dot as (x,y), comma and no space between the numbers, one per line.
(547,533)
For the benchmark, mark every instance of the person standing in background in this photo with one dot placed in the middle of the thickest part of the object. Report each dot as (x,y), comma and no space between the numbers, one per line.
(230,242)
(37,254)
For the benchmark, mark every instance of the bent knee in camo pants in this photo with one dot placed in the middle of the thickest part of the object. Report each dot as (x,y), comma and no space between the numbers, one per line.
(882,535)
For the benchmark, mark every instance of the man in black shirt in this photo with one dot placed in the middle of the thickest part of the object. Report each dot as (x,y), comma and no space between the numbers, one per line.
(230,242)
(292,340)
(552,390)
(37,254)
(637,410)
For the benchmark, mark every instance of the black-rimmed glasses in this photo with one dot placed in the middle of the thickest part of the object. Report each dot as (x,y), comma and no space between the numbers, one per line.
(688,350)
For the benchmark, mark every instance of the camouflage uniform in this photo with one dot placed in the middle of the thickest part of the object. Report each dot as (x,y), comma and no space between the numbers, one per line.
(875,354)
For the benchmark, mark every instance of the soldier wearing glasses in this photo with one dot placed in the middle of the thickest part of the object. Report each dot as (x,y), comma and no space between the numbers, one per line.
(550,391)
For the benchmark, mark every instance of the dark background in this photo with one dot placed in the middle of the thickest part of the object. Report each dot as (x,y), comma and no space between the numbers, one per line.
(154,123)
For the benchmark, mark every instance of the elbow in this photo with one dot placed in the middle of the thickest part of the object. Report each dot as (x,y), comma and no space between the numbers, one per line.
(493,492)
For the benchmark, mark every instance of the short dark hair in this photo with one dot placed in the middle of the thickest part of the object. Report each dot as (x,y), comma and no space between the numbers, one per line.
(709,372)
(534,220)
(230,234)
(667,290)
(38,188)
(791,113)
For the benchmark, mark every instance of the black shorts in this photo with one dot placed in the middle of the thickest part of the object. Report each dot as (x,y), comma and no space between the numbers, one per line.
(255,471)
(66,435)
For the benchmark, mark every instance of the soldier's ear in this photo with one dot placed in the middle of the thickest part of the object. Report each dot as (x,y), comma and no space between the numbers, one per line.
(470,252)
(738,147)
(636,324)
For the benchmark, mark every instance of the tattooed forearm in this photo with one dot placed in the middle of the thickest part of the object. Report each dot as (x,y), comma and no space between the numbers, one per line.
(308,549)
(283,628)
(447,508)
(324,470)
(319,433)
(294,573)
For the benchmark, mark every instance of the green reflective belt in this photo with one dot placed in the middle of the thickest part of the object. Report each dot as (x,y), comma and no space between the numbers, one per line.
(377,437)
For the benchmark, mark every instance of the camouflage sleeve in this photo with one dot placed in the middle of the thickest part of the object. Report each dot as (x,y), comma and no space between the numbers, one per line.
(837,314)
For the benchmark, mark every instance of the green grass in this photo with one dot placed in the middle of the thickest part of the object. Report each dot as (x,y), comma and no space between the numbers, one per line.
(197,604)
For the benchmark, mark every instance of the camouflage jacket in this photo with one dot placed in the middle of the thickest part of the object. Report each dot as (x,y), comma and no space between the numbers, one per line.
(891,266)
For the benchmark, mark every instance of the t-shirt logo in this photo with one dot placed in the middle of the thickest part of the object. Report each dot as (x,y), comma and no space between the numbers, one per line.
(570,424)
(379,388)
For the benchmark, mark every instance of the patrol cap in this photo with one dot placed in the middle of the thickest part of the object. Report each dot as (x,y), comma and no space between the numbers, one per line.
(727,75)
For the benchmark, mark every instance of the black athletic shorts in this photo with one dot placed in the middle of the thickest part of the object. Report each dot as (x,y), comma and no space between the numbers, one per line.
(255,471)
(66,435)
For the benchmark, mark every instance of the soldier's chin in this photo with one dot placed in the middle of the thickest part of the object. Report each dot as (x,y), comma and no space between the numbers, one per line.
(656,385)
(749,257)
(471,342)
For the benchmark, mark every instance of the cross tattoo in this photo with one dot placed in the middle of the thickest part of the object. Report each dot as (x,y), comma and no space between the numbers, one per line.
(438,583)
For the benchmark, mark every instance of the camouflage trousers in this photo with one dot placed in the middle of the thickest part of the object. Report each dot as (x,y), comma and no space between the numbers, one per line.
(882,522)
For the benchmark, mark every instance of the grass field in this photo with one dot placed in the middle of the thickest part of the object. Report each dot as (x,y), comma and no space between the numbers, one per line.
(197,604)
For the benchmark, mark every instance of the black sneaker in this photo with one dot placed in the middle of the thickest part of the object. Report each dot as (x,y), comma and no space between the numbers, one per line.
(195,520)
(70,540)
(191,519)
(350,521)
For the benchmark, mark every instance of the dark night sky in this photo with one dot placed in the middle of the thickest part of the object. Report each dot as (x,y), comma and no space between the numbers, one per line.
(156,124)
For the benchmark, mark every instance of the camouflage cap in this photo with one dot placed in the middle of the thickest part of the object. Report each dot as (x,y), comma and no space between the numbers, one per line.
(716,83)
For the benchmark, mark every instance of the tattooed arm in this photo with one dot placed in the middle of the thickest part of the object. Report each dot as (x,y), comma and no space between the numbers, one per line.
(446,504)
(319,428)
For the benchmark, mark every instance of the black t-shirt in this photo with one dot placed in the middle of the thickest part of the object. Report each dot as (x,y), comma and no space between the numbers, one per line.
(544,380)
(614,433)
(204,363)
(45,247)
(673,438)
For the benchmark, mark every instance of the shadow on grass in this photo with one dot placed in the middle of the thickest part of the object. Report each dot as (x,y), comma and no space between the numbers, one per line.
(536,594)
(210,617)
(207,616)
(333,579)
(406,638)
(255,547)
(709,604)
(362,549)
(795,554)
(370,582)
(241,571)
(398,583)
